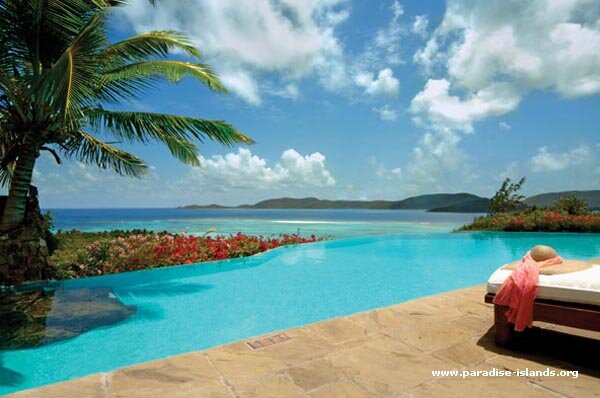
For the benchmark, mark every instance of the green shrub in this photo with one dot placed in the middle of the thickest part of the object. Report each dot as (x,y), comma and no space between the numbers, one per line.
(571,204)
(536,220)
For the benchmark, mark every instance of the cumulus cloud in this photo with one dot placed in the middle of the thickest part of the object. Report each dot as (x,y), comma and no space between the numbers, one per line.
(538,45)
(545,161)
(436,108)
(383,84)
(292,37)
(491,54)
(243,170)
(230,178)
(243,84)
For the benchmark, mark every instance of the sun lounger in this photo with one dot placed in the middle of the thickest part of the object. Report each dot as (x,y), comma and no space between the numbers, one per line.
(571,299)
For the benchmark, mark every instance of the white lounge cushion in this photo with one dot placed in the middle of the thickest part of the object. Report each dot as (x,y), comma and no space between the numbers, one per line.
(575,287)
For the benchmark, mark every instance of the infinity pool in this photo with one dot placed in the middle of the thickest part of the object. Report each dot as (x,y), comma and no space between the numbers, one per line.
(194,307)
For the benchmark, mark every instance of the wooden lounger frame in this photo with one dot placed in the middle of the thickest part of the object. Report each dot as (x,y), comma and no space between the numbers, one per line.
(581,316)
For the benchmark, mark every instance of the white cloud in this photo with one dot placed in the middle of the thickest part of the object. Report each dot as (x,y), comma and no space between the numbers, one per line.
(545,160)
(436,108)
(504,126)
(384,48)
(243,84)
(397,11)
(232,178)
(243,170)
(490,54)
(538,45)
(292,37)
(383,84)
(420,25)
(386,113)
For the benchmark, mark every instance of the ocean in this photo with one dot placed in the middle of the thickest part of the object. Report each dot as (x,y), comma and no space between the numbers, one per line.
(338,223)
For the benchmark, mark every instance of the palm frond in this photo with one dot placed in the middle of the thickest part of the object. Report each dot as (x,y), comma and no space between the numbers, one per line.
(88,149)
(6,176)
(71,83)
(156,43)
(146,126)
(183,150)
(172,71)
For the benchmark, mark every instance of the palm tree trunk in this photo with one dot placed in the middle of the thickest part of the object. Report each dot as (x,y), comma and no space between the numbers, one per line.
(14,211)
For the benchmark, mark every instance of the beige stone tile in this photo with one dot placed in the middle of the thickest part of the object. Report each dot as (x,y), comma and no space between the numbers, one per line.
(183,376)
(521,361)
(478,387)
(340,389)
(473,324)
(314,374)
(301,347)
(385,367)
(273,386)
(432,306)
(424,332)
(339,330)
(238,366)
(85,387)
(584,386)
(450,303)
(238,363)
(465,353)
(474,294)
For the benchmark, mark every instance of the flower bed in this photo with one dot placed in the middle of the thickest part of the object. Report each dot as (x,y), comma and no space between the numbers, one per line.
(537,220)
(142,250)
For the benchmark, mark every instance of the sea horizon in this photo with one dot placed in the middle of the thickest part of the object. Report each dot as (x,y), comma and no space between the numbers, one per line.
(335,223)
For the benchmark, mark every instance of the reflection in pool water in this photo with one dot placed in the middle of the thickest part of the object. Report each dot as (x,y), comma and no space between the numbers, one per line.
(33,318)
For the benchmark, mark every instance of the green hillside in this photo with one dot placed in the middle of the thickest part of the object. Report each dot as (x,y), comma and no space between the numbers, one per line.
(548,199)
(462,202)
(433,201)
(479,205)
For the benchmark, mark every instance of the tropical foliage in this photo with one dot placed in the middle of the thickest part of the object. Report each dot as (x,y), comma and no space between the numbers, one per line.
(62,85)
(507,198)
(572,205)
(90,254)
(543,220)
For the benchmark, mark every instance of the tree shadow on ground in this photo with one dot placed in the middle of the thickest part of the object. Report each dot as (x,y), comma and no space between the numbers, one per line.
(550,347)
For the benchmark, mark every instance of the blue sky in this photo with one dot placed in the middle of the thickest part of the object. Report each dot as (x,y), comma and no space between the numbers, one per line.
(367,100)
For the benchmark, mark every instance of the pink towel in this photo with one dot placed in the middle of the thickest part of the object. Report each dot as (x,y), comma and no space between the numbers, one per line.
(520,289)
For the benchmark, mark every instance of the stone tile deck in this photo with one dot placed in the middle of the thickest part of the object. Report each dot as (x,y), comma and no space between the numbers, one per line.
(388,352)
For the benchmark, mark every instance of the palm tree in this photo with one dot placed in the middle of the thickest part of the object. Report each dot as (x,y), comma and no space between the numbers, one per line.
(61,82)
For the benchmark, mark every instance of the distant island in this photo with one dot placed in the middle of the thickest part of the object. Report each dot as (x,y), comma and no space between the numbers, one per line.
(462,202)
(437,202)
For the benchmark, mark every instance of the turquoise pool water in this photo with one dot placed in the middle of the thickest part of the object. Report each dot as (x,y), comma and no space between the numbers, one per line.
(188,308)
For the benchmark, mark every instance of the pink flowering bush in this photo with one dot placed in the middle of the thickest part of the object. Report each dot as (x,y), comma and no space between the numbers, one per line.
(135,251)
